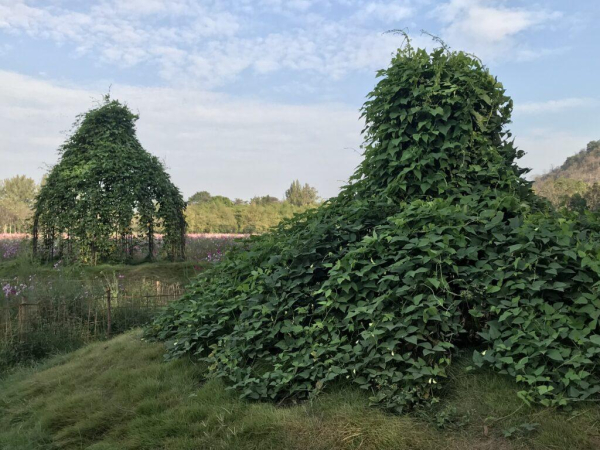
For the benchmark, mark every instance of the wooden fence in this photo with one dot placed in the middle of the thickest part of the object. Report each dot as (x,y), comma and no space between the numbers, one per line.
(90,319)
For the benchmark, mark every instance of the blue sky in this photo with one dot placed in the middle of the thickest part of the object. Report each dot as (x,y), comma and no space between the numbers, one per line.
(239,97)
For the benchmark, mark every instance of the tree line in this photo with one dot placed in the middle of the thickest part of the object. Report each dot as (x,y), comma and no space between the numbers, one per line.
(205,213)
(218,214)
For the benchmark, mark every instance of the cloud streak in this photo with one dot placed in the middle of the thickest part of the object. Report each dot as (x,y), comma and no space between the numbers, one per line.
(214,42)
(491,29)
(555,106)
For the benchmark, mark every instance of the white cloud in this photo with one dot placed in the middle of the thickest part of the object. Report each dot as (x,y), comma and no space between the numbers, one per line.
(210,141)
(214,42)
(553,106)
(122,33)
(530,54)
(385,12)
(489,28)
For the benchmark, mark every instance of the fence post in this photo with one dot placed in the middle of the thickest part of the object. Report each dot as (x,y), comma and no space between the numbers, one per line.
(23,325)
(108,314)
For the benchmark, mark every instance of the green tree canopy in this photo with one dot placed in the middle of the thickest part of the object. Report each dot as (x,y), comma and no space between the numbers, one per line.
(218,214)
(199,198)
(299,195)
(264,200)
(106,189)
(203,197)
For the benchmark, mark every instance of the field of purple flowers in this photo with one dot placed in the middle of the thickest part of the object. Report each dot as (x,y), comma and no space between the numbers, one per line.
(11,245)
(210,247)
(207,247)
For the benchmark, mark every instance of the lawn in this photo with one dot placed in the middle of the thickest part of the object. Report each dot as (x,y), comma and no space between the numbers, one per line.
(119,394)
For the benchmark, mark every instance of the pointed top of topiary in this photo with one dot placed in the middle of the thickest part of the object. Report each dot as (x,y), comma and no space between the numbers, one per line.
(435,127)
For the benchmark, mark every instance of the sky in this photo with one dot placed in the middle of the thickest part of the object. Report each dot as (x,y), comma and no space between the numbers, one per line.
(240,97)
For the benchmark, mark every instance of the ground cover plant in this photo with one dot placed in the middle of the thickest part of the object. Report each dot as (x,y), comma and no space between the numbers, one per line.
(436,244)
(121,395)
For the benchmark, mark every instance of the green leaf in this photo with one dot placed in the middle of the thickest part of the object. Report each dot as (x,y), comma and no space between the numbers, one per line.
(595,339)
(555,355)
(434,282)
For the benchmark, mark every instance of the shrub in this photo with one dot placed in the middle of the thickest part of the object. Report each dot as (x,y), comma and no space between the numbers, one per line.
(436,243)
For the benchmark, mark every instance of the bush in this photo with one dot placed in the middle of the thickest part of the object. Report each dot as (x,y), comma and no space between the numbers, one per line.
(436,243)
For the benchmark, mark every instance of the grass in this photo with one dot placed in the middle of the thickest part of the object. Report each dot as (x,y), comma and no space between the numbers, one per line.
(164,271)
(119,394)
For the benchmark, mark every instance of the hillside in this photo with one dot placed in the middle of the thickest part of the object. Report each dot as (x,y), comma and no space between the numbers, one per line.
(583,166)
(575,183)
(120,394)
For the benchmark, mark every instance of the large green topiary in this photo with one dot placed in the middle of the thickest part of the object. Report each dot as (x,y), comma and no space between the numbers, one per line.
(436,243)
(104,190)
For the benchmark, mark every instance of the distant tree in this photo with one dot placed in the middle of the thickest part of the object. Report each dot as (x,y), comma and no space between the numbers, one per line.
(199,197)
(203,197)
(581,158)
(265,200)
(583,166)
(221,215)
(592,197)
(560,190)
(211,217)
(20,189)
(222,200)
(17,195)
(299,195)
(577,202)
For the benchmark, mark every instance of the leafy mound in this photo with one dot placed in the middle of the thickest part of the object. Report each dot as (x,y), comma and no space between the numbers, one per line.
(436,243)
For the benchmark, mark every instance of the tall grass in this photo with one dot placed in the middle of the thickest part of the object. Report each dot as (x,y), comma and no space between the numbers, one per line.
(66,302)
(121,395)
(42,314)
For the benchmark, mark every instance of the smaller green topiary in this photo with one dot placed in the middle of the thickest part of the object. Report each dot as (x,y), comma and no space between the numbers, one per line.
(105,189)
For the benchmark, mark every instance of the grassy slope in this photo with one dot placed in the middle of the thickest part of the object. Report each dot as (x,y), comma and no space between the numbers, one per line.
(120,395)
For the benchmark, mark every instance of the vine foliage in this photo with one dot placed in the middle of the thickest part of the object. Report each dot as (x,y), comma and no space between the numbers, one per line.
(105,192)
(437,243)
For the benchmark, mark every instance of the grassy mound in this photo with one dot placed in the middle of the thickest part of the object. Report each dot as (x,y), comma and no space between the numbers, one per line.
(121,395)
(437,244)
